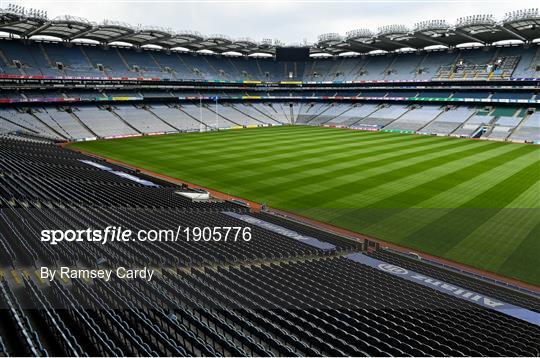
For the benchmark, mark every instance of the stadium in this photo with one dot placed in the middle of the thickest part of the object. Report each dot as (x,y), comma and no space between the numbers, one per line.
(168,193)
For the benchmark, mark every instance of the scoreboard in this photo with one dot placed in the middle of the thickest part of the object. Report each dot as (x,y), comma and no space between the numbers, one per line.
(292,53)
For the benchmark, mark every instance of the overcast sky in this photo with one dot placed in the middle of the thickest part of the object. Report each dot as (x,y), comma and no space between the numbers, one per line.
(289,21)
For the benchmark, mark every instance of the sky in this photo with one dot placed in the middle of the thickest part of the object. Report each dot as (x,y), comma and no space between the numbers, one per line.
(289,21)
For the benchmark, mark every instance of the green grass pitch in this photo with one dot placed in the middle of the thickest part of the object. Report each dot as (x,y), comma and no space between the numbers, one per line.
(474,202)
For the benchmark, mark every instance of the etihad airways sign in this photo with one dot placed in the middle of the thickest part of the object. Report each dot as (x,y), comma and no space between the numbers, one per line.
(456,291)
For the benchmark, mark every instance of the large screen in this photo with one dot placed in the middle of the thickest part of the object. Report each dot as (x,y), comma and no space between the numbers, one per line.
(292,53)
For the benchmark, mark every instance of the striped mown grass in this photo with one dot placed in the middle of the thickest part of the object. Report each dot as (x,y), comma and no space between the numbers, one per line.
(473,202)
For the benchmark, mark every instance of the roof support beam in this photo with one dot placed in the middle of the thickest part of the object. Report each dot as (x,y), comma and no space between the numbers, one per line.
(356,44)
(388,41)
(12,23)
(186,44)
(464,34)
(157,39)
(516,31)
(120,37)
(430,39)
(224,47)
(82,33)
(38,29)
(393,42)
(512,32)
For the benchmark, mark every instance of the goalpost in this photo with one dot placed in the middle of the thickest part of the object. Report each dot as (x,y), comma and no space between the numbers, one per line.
(201,124)
(200,115)
(217,115)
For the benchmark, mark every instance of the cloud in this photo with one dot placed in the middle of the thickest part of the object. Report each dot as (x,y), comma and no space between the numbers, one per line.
(289,21)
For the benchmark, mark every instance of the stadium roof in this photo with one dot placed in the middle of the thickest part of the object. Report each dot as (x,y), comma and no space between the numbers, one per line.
(522,25)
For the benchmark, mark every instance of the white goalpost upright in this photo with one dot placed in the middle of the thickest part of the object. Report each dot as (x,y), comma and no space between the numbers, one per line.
(200,115)
(217,115)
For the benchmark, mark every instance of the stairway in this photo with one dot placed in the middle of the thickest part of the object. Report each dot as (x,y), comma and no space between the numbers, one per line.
(65,135)
(5,59)
(199,120)
(339,114)
(520,125)
(332,74)
(156,62)
(46,55)
(316,115)
(217,72)
(389,67)
(263,77)
(123,120)
(247,115)
(123,60)
(356,71)
(210,108)
(240,74)
(292,118)
(77,119)
(17,124)
(419,65)
(266,114)
(359,119)
(148,109)
(90,64)
(433,120)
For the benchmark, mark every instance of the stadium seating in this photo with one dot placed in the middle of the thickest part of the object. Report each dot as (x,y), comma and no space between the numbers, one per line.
(19,120)
(416,119)
(528,64)
(53,59)
(448,121)
(355,114)
(457,278)
(295,288)
(232,114)
(473,125)
(208,116)
(329,113)
(102,122)
(384,115)
(511,95)
(503,126)
(142,120)
(528,130)
(174,117)
(64,122)
(403,67)
(72,59)
(256,113)
(435,94)
(470,95)
(77,121)
(273,295)
(306,112)
(107,61)
(90,121)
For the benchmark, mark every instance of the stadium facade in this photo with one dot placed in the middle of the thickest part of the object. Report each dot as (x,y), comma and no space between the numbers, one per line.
(293,289)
